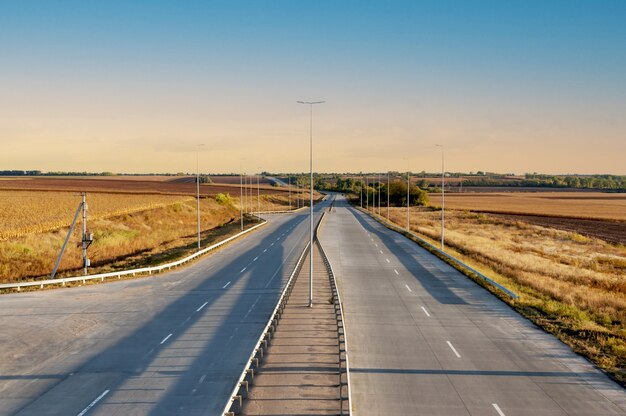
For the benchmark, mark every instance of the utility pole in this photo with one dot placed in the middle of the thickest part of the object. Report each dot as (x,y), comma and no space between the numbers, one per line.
(289,186)
(87,239)
(258,194)
(311,104)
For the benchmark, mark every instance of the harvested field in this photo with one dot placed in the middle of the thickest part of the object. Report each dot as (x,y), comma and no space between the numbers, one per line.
(571,285)
(596,205)
(234,180)
(124,240)
(119,185)
(26,212)
(611,231)
(130,230)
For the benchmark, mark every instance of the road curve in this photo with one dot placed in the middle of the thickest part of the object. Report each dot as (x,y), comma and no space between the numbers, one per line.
(172,344)
(426,340)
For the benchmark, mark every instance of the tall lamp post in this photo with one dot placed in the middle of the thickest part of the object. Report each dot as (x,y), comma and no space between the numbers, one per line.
(443,196)
(198,188)
(311,104)
(379,194)
(289,186)
(367,194)
(388,191)
(258,193)
(241,191)
(361,193)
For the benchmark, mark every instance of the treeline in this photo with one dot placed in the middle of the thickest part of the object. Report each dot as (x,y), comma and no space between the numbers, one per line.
(370,193)
(606,182)
(576,181)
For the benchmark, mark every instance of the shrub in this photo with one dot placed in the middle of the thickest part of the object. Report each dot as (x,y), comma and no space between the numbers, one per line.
(223,199)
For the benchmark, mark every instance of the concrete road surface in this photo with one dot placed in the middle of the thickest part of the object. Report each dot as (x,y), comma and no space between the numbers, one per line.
(171,344)
(425,340)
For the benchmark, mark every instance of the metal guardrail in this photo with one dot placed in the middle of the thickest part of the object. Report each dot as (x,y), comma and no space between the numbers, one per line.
(235,401)
(340,318)
(440,253)
(133,272)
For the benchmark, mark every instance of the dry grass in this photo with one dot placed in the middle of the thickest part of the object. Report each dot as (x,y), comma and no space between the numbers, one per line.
(281,202)
(129,230)
(132,238)
(599,205)
(571,285)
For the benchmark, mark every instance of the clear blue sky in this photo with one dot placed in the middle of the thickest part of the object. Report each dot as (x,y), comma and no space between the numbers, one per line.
(510,86)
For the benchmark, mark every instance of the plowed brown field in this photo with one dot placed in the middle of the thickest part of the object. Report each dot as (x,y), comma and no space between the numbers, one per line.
(121,185)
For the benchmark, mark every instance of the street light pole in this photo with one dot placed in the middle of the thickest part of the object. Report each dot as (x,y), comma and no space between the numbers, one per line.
(388,192)
(443,198)
(361,193)
(258,194)
(379,194)
(241,191)
(311,104)
(367,194)
(408,199)
(198,188)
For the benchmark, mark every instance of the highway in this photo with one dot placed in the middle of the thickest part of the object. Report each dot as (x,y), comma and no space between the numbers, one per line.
(171,344)
(426,340)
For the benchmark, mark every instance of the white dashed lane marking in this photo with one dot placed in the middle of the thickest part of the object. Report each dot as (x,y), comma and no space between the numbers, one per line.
(500,412)
(453,349)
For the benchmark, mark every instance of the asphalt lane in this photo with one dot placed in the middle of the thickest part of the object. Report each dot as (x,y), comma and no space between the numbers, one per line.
(426,340)
(163,345)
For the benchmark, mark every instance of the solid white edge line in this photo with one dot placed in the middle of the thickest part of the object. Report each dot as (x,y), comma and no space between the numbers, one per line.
(226,285)
(453,349)
(408,288)
(500,412)
(425,311)
(92,404)
(165,339)
(203,305)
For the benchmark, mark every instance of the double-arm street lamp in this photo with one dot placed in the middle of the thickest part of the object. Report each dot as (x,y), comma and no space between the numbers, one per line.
(311,104)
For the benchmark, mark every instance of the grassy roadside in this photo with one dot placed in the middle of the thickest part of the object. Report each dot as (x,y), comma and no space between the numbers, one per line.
(574,291)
